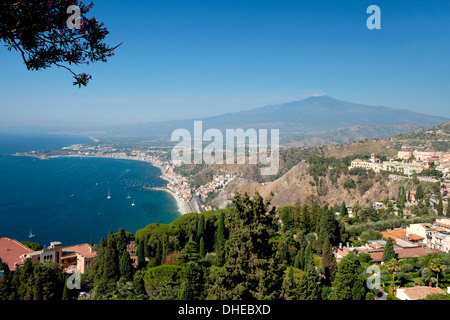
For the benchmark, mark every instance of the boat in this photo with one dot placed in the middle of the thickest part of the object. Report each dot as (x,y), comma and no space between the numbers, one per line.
(128,197)
(109,196)
(30,235)
(133,204)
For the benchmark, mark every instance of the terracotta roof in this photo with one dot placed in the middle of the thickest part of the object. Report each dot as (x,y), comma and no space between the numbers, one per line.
(10,252)
(415,237)
(83,249)
(394,234)
(405,253)
(420,292)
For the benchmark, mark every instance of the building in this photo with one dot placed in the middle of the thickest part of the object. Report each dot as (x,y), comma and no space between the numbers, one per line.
(416,292)
(72,259)
(440,241)
(373,164)
(405,253)
(11,251)
(425,230)
(404,154)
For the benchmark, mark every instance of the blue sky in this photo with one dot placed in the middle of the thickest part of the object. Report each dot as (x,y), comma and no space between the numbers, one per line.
(190,59)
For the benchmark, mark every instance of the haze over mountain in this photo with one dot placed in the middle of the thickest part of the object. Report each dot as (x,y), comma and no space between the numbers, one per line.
(311,121)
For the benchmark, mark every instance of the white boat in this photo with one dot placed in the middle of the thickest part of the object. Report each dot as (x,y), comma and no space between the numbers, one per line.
(109,196)
(30,235)
(133,204)
(128,197)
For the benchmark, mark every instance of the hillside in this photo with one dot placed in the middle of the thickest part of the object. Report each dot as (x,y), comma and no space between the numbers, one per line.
(329,184)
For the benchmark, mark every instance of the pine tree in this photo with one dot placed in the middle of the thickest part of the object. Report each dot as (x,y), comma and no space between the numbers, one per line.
(193,281)
(349,280)
(190,252)
(253,269)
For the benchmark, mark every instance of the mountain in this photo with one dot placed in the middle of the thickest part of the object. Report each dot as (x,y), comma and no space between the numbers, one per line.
(319,120)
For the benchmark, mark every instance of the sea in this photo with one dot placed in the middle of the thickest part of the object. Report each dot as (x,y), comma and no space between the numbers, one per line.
(66,199)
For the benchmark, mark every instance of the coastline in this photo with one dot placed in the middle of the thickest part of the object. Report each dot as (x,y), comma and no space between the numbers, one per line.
(182,206)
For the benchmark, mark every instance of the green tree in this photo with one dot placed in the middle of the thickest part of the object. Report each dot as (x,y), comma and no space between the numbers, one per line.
(343,210)
(438,267)
(111,271)
(447,213)
(440,208)
(126,268)
(202,248)
(312,280)
(388,251)
(253,268)
(193,281)
(393,266)
(349,281)
(419,192)
(201,226)
(329,263)
(220,233)
(141,263)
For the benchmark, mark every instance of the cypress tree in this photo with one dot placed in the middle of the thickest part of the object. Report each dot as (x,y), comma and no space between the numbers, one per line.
(202,247)
(329,263)
(343,209)
(158,254)
(448,209)
(111,261)
(126,268)
(312,279)
(220,233)
(141,255)
(201,226)
(388,251)
(299,259)
(440,208)
(307,256)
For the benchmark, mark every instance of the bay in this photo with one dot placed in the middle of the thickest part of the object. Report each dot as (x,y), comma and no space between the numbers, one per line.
(65,199)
